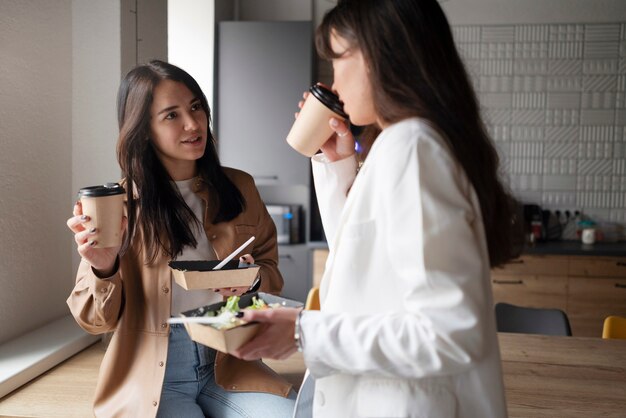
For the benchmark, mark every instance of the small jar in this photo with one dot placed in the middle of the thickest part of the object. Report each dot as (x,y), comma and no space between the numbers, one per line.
(588,236)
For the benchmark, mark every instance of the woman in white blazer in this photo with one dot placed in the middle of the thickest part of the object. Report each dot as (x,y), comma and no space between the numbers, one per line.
(406,327)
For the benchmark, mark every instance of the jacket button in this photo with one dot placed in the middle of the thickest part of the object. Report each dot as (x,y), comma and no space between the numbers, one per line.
(319,398)
(233,387)
(161,363)
(213,236)
(104,290)
(164,325)
(165,289)
(154,403)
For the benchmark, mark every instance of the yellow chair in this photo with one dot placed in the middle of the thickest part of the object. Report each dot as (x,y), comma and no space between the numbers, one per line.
(614,327)
(313,300)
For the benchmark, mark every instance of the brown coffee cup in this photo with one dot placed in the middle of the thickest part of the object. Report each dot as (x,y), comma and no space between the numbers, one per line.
(105,207)
(310,130)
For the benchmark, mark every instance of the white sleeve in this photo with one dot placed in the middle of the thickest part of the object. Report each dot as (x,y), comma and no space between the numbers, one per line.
(434,241)
(332,182)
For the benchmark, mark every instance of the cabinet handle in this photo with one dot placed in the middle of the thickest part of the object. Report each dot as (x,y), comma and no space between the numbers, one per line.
(516,262)
(287,256)
(266,177)
(620,285)
(621,264)
(507,281)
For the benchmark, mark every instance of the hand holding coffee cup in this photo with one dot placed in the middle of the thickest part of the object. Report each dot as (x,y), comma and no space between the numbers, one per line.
(321,124)
(98,225)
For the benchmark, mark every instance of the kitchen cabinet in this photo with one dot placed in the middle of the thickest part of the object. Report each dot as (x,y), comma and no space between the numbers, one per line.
(319,264)
(532,281)
(293,263)
(597,289)
(531,291)
(586,288)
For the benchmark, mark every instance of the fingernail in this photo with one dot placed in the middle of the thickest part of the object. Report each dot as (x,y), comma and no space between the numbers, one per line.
(334,122)
(84,218)
(92,230)
(78,202)
(239,314)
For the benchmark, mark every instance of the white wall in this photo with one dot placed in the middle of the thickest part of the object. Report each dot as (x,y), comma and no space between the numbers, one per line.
(35,162)
(59,76)
(190,28)
(95,79)
(551,78)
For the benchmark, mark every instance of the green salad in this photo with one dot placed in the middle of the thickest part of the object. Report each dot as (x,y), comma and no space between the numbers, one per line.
(232,307)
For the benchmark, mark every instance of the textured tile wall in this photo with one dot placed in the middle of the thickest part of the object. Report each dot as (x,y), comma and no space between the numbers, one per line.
(554,100)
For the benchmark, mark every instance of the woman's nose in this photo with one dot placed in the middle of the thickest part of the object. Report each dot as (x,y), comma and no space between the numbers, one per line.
(191,123)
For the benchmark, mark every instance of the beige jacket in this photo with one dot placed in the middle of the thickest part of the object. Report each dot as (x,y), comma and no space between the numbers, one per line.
(135,303)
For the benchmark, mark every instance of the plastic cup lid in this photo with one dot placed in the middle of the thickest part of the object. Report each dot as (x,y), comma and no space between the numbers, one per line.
(109,189)
(328,99)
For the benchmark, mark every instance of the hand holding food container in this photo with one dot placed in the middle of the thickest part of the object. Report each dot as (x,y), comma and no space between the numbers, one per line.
(215,274)
(222,326)
(311,128)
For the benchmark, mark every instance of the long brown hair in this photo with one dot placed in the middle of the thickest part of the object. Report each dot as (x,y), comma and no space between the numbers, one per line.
(166,221)
(416,71)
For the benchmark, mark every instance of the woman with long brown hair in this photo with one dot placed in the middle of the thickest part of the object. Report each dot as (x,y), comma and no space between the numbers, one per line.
(406,327)
(180,204)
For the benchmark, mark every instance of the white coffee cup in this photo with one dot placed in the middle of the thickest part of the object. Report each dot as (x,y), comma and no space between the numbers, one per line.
(311,130)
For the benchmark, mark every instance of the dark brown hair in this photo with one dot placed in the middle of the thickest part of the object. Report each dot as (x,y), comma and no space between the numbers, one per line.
(166,221)
(416,71)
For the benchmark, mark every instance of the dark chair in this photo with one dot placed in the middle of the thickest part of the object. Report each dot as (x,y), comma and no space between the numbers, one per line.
(519,319)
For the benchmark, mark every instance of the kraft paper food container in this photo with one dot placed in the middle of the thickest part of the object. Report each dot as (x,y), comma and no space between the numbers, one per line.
(199,274)
(228,340)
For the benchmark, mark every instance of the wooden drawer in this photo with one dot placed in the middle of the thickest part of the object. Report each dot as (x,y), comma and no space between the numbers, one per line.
(535,264)
(530,290)
(590,300)
(597,267)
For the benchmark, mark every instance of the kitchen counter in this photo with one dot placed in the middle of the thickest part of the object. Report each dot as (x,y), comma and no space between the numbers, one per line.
(603,249)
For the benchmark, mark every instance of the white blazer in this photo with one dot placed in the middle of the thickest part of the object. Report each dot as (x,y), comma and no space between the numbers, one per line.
(407,327)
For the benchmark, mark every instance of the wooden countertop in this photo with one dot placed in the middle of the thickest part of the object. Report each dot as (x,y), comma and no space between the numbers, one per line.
(548,376)
(544,376)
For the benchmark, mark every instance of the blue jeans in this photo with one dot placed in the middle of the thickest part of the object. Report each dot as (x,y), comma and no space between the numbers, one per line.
(190,391)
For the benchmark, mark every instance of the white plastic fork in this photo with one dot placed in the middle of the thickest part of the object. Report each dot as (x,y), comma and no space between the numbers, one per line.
(233,254)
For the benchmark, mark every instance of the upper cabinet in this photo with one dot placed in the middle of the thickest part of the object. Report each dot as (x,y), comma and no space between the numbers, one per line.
(262,70)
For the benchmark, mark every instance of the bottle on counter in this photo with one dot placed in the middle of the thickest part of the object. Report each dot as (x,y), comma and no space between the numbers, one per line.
(570,228)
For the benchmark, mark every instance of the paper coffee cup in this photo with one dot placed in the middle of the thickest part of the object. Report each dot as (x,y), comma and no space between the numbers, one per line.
(105,207)
(310,130)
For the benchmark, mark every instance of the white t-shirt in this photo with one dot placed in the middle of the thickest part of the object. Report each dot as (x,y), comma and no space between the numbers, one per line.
(184,300)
